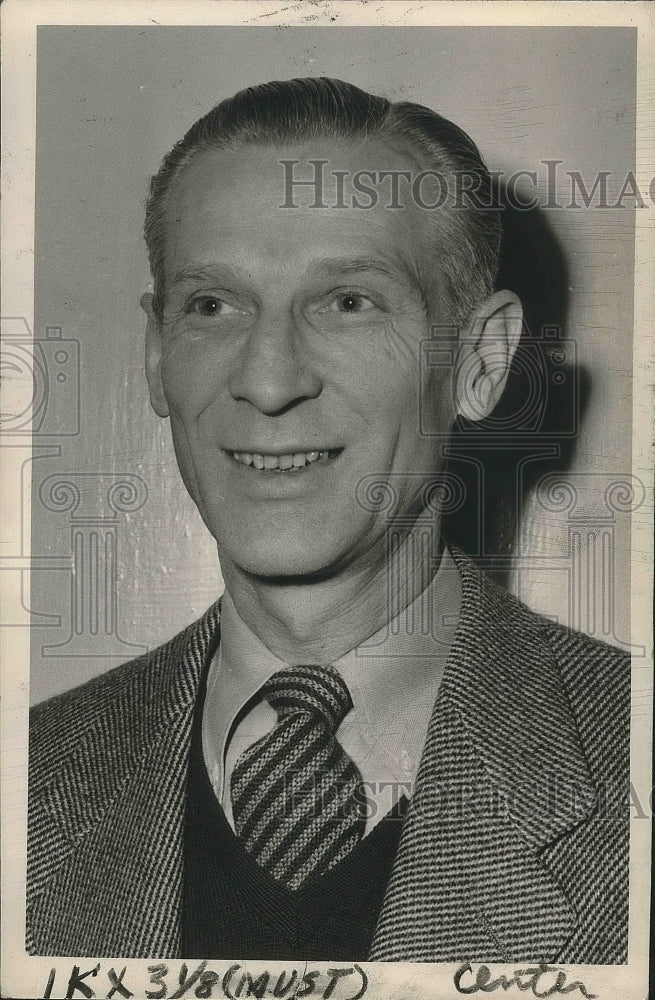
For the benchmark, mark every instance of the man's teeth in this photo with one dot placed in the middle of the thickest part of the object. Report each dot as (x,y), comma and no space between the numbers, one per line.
(280,462)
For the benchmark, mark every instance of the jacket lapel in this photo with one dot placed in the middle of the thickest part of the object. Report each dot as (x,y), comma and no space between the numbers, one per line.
(501,775)
(116,830)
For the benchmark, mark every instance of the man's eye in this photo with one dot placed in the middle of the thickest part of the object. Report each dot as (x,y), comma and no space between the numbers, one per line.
(351,302)
(211,305)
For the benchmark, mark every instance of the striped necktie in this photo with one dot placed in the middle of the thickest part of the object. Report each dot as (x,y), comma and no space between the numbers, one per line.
(296,796)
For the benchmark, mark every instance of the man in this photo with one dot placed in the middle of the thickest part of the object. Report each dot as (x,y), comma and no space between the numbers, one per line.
(365,749)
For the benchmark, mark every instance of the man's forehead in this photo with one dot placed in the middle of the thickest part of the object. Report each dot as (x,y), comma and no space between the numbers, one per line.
(239,206)
(329,171)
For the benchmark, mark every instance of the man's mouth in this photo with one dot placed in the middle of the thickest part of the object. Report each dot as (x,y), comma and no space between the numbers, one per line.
(291,462)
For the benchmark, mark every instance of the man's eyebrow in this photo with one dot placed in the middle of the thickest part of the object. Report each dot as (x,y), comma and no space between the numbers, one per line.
(354,265)
(335,267)
(202,272)
(388,268)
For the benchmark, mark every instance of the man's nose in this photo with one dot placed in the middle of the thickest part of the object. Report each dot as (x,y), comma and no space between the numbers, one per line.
(273,371)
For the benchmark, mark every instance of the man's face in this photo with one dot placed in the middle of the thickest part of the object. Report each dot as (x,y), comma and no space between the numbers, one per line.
(291,340)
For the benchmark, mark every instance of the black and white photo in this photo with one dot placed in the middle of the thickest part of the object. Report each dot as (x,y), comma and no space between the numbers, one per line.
(331,527)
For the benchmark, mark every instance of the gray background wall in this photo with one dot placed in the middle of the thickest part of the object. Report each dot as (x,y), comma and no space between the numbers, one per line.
(111,102)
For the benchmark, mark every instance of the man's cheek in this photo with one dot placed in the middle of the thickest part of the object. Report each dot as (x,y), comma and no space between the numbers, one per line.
(397,343)
(189,395)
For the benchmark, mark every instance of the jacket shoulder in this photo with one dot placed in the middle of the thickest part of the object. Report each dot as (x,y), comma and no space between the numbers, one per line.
(598,666)
(580,656)
(597,680)
(58,724)
(594,675)
(107,707)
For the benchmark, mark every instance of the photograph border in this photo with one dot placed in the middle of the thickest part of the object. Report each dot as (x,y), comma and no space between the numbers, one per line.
(24,975)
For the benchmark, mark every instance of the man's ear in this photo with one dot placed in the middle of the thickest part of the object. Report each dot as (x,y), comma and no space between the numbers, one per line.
(485,355)
(153,358)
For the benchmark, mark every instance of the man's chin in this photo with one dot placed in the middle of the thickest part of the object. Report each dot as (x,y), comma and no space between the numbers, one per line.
(279,563)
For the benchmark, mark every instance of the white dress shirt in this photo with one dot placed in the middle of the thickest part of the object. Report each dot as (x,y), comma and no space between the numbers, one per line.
(393,678)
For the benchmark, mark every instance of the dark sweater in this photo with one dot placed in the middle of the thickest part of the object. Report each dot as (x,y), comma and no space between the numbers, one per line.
(232,908)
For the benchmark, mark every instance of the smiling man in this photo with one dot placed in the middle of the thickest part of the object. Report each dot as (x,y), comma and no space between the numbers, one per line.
(364,749)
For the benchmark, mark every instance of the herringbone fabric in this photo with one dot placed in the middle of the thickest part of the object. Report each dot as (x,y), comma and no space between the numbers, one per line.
(294,792)
(494,863)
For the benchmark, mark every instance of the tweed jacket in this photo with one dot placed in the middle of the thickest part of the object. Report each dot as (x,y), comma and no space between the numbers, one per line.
(514,849)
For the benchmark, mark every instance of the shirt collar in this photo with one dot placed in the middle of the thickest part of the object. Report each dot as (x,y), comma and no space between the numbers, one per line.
(393,676)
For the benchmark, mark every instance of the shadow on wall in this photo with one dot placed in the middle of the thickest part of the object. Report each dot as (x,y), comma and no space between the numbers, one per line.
(533,430)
